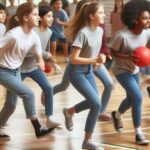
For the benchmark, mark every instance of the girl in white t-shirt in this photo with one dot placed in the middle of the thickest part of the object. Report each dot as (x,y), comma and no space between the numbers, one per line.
(14,47)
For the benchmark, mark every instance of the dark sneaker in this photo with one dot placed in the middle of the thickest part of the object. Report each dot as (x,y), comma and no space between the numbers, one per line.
(43,132)
(141,140)
(117,122)
(148,90)
(68,120)
(91,146)
(4,136)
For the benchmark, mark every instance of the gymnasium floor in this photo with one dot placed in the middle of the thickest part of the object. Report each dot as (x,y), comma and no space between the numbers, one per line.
(22,133)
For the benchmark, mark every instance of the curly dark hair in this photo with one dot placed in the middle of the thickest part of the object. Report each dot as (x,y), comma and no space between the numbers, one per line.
(131,12)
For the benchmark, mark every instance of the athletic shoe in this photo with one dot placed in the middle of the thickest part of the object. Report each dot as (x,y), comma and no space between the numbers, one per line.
(4,136)
(51,123)
(68,120)
(141,140)
(90,146)
(105,117)
(117,122)
(43,132)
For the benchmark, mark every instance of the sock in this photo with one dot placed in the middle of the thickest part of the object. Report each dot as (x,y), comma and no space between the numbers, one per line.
(36,124)
(118,115)
(138,130)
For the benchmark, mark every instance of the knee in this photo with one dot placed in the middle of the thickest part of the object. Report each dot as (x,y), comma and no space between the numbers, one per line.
(96,105)
(48,89)
(109,85)
(29,96)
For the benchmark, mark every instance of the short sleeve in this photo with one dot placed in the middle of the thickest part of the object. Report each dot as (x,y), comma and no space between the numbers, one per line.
(65,17)
(79,40)
(116,42)
(7,39)
(37,49)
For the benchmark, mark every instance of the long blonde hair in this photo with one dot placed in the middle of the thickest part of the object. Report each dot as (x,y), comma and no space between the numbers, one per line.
(23,10)
(81,19)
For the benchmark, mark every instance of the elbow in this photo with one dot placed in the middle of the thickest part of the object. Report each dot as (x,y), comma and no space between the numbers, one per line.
(73,61)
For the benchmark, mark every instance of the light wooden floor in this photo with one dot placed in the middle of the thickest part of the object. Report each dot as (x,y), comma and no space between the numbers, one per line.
(22,134)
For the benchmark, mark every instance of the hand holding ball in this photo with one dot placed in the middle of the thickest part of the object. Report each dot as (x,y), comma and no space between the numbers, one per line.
(143,54)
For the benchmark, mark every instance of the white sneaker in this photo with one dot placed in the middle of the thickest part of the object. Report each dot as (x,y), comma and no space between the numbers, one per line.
(51,123)
(56,67)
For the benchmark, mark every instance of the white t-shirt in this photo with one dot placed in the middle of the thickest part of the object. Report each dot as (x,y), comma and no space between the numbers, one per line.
(29,63)
(2,29)
(15,45)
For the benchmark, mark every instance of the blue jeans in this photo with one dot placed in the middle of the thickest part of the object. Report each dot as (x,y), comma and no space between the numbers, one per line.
(102,73)
(133,98)
(11,80)
(65,82)
(82,78)
(40,78)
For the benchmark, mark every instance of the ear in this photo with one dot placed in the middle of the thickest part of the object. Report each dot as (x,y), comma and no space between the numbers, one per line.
(25,18)
(91,16)
(136,21)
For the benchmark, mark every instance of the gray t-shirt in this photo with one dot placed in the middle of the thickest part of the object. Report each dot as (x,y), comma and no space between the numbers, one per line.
(29,63)
(126,42)
(89,41)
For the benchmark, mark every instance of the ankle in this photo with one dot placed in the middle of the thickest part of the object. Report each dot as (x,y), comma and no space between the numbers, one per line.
(36,124)
(118,115)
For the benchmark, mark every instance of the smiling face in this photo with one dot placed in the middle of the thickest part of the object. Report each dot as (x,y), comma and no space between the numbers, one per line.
(47,19)
(57,5)
(144,20)
(98,17)
(32,19)
(2,16)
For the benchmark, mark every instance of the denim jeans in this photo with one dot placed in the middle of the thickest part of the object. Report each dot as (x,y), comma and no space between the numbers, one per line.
(65,82)
(102,73)
(133,98)
(82,78)
(40,78)
(11,80)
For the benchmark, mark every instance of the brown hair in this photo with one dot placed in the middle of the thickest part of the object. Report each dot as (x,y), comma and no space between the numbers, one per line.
(81,19)
(23,10)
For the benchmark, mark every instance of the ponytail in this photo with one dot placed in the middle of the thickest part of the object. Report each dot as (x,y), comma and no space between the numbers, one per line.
(77,22)
(81,19)
(23,10)
(13,22)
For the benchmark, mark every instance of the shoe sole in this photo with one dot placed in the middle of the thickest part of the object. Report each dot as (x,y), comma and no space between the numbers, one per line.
(56,126)
(141,143)
(5,139)
(64,112)
(86,148)
(118,130)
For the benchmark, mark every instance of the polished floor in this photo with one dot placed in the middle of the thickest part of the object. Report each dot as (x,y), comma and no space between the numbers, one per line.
(22,133)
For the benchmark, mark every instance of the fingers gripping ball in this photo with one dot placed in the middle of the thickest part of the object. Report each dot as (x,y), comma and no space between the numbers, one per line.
(48,68)
(143,54)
